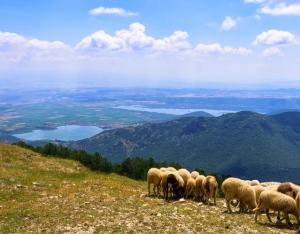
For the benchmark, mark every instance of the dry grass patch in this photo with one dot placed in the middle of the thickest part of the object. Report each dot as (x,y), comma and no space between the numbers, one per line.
(50,195)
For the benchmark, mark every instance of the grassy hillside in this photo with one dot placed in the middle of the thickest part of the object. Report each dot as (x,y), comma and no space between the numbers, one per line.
(244,144)
(51,195)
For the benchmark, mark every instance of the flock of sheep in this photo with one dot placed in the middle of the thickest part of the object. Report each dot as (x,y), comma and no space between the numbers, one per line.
(249,196)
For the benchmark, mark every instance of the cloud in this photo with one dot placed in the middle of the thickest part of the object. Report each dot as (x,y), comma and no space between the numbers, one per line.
(272,51)
(217,49)
(275,37)
(281,9)
(116,11)
(134,39)
(229,23)
(11,38)
(177,41)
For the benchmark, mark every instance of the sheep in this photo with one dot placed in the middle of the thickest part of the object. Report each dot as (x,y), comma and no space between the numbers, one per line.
(289,189)
(266,184)
(194,174)
(210,186)
(199,188)
(154,176)
(163,169)
(235,188)
(173,180)
(252,182)
(270,199)
(185,174)
(171,169)
(190,188)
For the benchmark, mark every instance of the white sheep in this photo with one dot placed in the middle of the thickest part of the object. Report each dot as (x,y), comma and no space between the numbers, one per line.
(194,174)
(199,188)
(235,188)
(185,174)
(190,188)
(270,199)
(154,176)
(210,186)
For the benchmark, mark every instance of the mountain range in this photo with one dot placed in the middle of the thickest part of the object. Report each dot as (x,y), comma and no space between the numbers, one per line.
(245,144)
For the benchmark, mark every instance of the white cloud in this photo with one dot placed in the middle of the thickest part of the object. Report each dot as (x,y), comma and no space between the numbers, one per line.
(229,23)
(275,37)
(134,39)
(11,38)
(272,51)
(117,11)
(217,49)
(177,41)
(281,9)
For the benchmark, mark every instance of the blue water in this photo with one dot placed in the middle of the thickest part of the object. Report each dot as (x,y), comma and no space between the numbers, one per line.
(63,133)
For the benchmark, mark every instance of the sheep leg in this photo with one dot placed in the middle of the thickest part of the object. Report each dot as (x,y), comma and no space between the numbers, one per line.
(227,199)
(268,215)
(286,215)
(148,188)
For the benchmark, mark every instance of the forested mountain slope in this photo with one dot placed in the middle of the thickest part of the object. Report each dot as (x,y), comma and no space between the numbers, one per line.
(244,144)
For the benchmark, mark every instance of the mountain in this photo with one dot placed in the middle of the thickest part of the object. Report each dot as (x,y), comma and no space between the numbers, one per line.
(244,144)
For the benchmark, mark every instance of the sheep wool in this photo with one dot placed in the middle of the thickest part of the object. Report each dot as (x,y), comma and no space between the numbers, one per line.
(210,186)
(190,188)
(154,176)
(274,200)
(235,188)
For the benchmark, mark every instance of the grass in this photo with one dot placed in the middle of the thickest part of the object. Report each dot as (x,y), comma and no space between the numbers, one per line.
(50,195)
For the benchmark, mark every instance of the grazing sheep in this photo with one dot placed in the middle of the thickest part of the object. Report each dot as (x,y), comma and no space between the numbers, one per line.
(174,181)
(154,176)
(210,186)
(199,188)
(190,188)
(289,189)
(185,174)
(278,202)
(235,188)
(194,174)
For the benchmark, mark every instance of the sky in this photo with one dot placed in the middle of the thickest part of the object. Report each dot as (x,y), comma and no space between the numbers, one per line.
(234,44)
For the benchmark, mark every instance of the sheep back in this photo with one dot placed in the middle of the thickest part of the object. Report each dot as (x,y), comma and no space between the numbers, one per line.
(235,188)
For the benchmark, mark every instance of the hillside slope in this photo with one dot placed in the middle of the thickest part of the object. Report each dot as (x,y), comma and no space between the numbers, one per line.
(244,144)
(51,195)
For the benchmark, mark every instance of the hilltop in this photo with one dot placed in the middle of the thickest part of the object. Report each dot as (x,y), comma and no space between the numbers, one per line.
(51,195)
(244,144)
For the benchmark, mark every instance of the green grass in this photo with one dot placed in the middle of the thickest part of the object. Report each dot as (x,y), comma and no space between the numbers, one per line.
(51,195)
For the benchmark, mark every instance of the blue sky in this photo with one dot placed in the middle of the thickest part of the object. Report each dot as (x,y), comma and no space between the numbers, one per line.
(150,43)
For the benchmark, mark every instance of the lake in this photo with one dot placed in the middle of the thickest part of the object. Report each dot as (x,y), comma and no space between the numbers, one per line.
(63,133)
(174,111)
